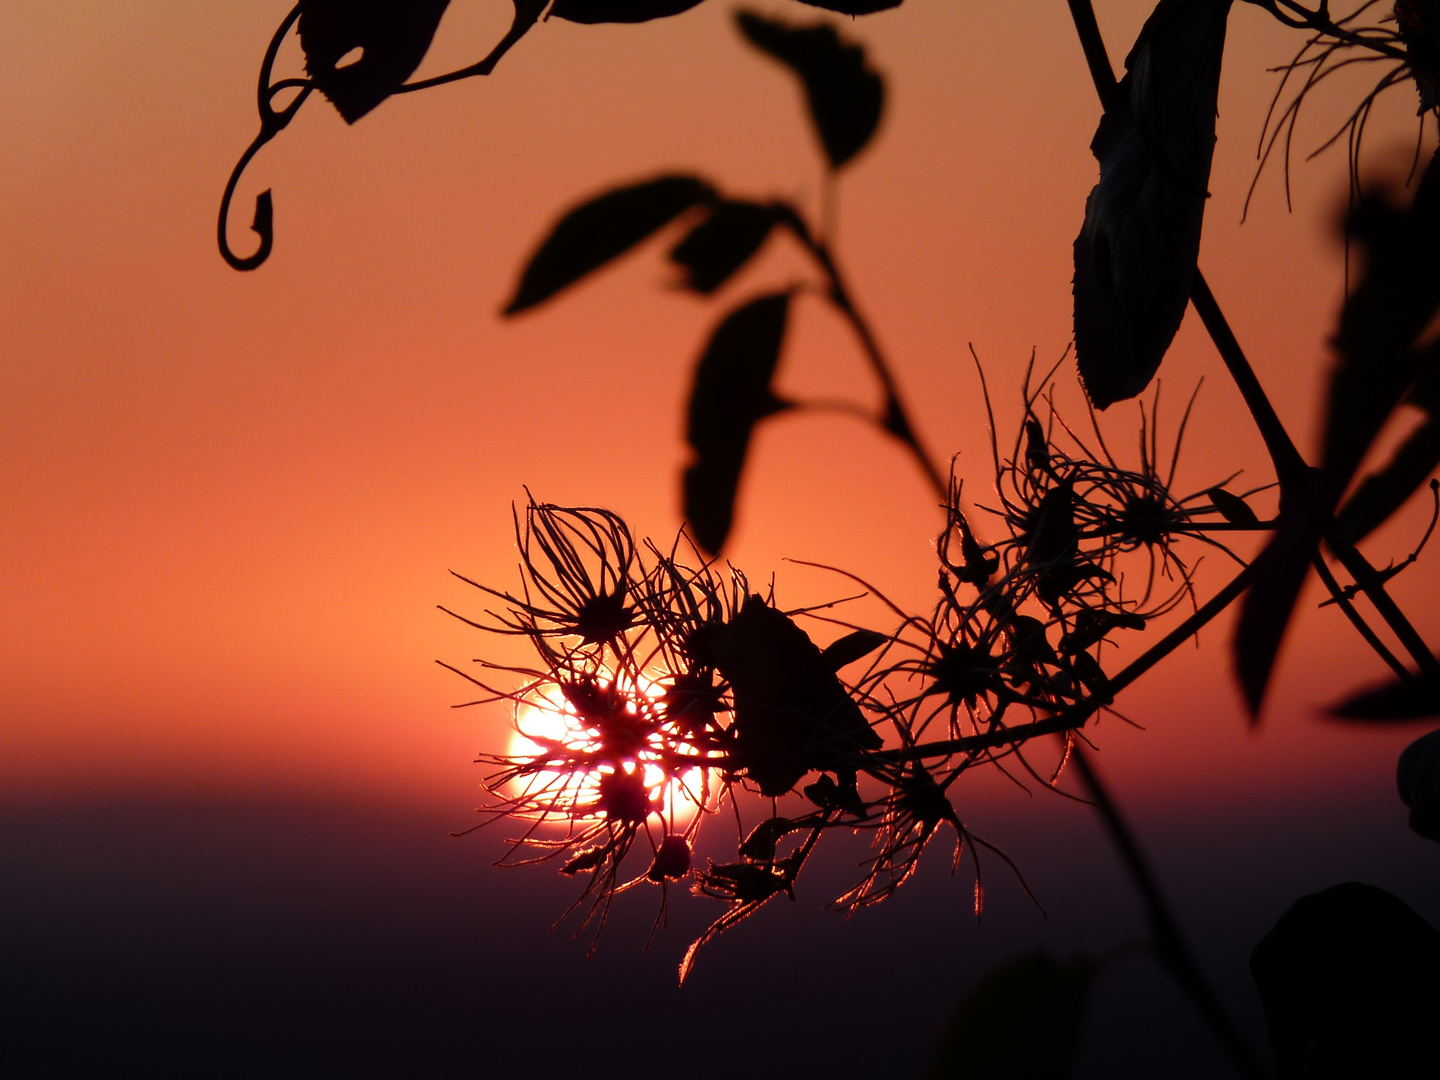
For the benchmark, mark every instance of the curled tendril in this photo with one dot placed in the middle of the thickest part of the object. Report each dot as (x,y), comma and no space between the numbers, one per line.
(272,122)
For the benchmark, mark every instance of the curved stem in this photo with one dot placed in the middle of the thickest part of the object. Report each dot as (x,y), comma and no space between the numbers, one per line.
(1078,714)
(1170,946)
(1356,620)
(272,122)
(896,419)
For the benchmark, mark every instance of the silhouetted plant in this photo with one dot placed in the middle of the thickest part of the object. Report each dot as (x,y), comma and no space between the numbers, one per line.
(670,686)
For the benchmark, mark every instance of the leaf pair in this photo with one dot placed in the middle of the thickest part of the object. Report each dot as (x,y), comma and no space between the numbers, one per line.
(1378,363)
(1135,255)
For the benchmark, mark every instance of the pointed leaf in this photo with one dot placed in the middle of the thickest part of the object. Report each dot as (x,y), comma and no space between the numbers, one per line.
(1350,982)
(732,392)
(618,11)
(1280,571)
(1135,255)
(853,646)
(1418,777)
(846,96)
(854,7)
(1383,492)
(602,229)
(1402,699)
(1396,299)
(1232,508)
(1022,1022)
(391,36)
(722,243)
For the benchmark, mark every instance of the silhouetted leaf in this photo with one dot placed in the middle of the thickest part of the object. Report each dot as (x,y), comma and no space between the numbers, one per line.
(853,646)
(1092,627)
(1022,1022)
(1383,492)
(846,96)
(1402,699)
(1395,299)
(602,229)
(1418,777)
(854,7)
(1232,508)
(732,392)
(618,11)
(723,243)
(1135,255)
(1280,571)
(392,36)
(1350,982)
(792,715)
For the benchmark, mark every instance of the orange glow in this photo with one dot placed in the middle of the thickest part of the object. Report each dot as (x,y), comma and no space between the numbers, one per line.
(546,720)
(230,500)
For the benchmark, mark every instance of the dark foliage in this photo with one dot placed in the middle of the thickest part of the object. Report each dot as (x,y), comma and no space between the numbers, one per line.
(1022,1022)
(846,95)
(603,229)
(1378,361)
(724,242)
(618,11)
(392,36)
(1350,981)
(1417,775)
(731,394)
(1135,255)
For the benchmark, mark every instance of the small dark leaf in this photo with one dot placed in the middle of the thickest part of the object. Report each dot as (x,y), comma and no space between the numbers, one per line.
(846,96)
(853,646)
(1350,982)
(732,393)
(723,243)
(618,11)
(792,715)
(1050,533)
(1092,627)
(1396,299)
(1088,670)
(1028,641)
(854,7)
(1022,1022)
(1135,255)
(1403,699)
(760,844)
(1382,493)
(1233,508)
(392,36)
(1280,571)
(1418,777)
(602,229)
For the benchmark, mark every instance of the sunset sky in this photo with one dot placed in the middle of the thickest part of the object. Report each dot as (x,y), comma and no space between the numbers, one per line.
(230,501)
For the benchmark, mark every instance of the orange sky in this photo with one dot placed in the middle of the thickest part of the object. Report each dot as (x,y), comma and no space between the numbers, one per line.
(230,501)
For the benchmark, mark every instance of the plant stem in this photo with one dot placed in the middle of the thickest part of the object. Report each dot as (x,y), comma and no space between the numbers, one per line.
(1076,715)
(1289,464)
(1369,581)
(1356,620)
(896,420)
(1170,947)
